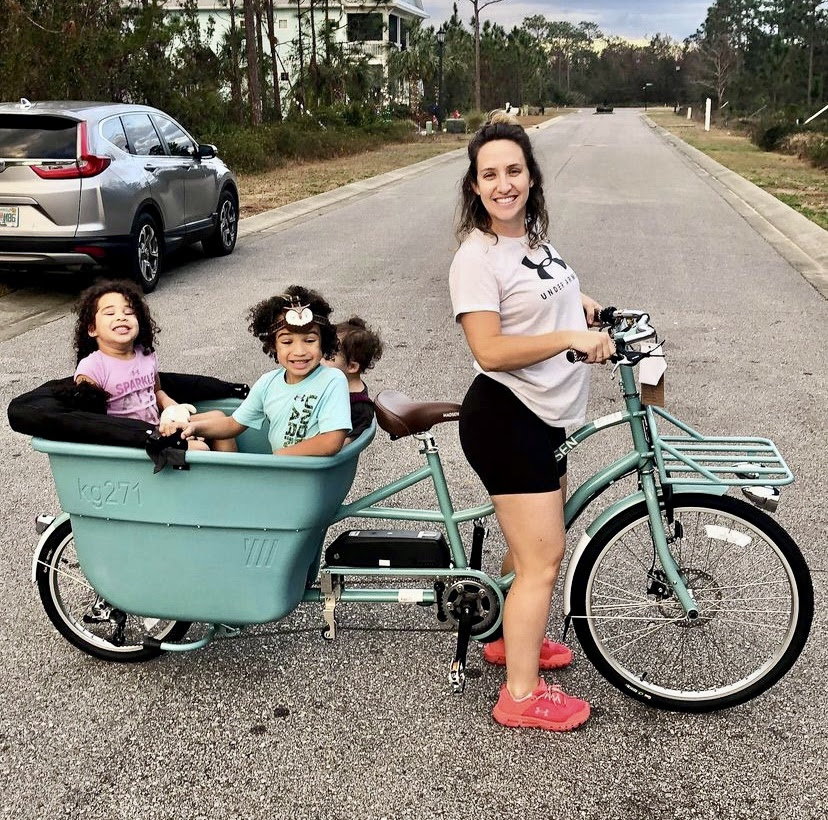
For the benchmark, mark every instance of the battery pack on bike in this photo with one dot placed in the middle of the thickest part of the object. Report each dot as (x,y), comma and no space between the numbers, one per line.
(389,549)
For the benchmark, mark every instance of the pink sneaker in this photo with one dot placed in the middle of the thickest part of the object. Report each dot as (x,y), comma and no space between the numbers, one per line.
(546,708)
(552,655)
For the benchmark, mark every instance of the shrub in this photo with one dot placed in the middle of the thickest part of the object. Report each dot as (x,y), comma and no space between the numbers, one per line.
(768,134)
(249,150)
(817,152)
(455,125)
(474,119)
(243,149)
(810,143)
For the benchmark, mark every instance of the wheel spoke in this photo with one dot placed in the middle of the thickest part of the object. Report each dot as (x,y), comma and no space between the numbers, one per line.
(83,617)
(750,601)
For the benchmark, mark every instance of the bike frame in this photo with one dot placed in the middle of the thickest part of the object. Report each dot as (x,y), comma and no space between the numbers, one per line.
(640,460)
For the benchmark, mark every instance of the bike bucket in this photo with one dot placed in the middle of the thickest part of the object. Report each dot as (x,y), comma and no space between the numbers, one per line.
(231,540)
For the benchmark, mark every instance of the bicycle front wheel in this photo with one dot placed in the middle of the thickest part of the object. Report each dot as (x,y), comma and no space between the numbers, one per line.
(83,617)
(751,584)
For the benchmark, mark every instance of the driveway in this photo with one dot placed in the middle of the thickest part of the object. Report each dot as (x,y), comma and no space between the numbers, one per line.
(279,722)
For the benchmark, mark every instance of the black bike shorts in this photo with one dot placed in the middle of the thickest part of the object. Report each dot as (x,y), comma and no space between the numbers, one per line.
(506,444)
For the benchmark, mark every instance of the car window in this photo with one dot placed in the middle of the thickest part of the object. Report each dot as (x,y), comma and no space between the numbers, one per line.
(113,131)
(26,136)
(141,135)
(178,143)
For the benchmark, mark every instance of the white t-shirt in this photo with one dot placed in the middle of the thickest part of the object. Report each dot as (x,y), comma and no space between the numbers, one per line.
(535,292)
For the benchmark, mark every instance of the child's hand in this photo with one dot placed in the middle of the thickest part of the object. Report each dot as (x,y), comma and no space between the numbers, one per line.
(188,430)
(175,417)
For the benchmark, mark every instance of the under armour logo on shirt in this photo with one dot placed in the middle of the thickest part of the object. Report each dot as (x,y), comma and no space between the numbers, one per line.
(540,267)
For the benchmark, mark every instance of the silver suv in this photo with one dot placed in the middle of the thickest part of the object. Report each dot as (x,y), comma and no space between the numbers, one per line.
(85,184)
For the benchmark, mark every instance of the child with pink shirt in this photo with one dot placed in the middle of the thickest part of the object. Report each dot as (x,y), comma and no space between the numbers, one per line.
(115,341)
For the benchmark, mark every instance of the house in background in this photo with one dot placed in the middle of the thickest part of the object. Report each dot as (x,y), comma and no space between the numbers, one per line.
(372,29)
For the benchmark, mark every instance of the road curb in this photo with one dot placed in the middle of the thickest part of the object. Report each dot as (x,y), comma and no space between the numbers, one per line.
(802,243)
(27,308)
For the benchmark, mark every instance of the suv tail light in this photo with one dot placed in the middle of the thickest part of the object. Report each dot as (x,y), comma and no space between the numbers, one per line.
(87,165)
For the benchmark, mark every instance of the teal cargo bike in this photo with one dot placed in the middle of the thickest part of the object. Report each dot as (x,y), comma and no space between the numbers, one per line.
(683,595)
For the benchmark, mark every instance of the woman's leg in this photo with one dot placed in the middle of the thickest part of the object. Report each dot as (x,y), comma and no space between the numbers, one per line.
(533,527)
(508,564)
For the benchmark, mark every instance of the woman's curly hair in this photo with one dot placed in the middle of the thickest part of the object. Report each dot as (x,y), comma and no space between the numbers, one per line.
(359,343)
(87,307)
(501,126)
(264,316)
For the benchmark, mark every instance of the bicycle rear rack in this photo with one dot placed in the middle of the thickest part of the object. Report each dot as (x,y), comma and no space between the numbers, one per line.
(695,459)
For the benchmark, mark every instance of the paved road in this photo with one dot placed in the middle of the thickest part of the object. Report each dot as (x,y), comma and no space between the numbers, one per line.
(371,730)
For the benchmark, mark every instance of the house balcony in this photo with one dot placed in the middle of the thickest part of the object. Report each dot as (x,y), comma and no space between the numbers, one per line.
(370,48)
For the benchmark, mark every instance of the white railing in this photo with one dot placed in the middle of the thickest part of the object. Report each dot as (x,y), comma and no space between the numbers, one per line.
(371,48)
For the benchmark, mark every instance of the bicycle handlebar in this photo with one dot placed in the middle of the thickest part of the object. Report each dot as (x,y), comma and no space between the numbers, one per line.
(626,327)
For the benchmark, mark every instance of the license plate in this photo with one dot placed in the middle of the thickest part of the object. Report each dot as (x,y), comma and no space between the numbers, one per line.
(9,217)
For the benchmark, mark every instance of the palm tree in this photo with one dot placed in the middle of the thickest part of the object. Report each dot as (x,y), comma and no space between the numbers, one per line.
(418,62)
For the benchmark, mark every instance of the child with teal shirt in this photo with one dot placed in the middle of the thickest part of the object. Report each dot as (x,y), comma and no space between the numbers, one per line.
(307,406)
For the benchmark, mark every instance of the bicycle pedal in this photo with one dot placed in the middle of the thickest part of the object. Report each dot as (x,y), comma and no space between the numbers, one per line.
(99,612)
(457,677)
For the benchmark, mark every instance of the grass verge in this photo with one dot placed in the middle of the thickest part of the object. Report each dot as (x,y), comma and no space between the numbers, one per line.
(791,180)
(297,180)
(288,183)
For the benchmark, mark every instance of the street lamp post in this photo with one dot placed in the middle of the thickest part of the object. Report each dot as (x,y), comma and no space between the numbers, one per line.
(676,106)
(644,89)
(441,39)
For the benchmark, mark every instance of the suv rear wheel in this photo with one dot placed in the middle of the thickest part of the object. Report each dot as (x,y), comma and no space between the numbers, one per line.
(146,253)
(223,238)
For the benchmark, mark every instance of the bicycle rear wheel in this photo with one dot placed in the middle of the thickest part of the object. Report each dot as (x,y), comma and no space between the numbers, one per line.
(751,584)
(85,619)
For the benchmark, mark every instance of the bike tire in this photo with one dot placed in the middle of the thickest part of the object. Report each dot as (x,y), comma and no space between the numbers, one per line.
(733,556)
(67,596)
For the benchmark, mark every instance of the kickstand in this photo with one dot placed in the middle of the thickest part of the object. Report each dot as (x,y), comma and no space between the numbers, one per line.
(457,672)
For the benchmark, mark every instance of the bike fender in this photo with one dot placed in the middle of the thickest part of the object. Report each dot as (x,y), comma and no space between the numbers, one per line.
(47,534)
(610,512)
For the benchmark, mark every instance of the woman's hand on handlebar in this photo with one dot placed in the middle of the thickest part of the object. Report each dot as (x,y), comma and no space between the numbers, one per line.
(592,311)
(594,347)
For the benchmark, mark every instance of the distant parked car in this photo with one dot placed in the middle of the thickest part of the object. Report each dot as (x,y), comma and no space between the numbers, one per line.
(84,184)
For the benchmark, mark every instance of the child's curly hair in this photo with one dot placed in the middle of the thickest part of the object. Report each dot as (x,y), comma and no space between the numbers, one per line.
(87,307)
(264,316)
(359,343)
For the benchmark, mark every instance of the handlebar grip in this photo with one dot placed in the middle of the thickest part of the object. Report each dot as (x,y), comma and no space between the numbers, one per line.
(607,314)
(573,356)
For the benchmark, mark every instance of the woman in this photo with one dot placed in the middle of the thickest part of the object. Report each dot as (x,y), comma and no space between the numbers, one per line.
(521,308)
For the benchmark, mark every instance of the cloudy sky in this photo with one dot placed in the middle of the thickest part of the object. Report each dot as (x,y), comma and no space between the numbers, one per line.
(634,19)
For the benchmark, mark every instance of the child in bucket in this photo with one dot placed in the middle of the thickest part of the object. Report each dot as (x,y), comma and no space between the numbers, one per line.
(116,361)
(306,405)
(360,348)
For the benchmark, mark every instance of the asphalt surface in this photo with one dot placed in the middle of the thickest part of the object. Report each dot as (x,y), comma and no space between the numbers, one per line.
(281,723)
